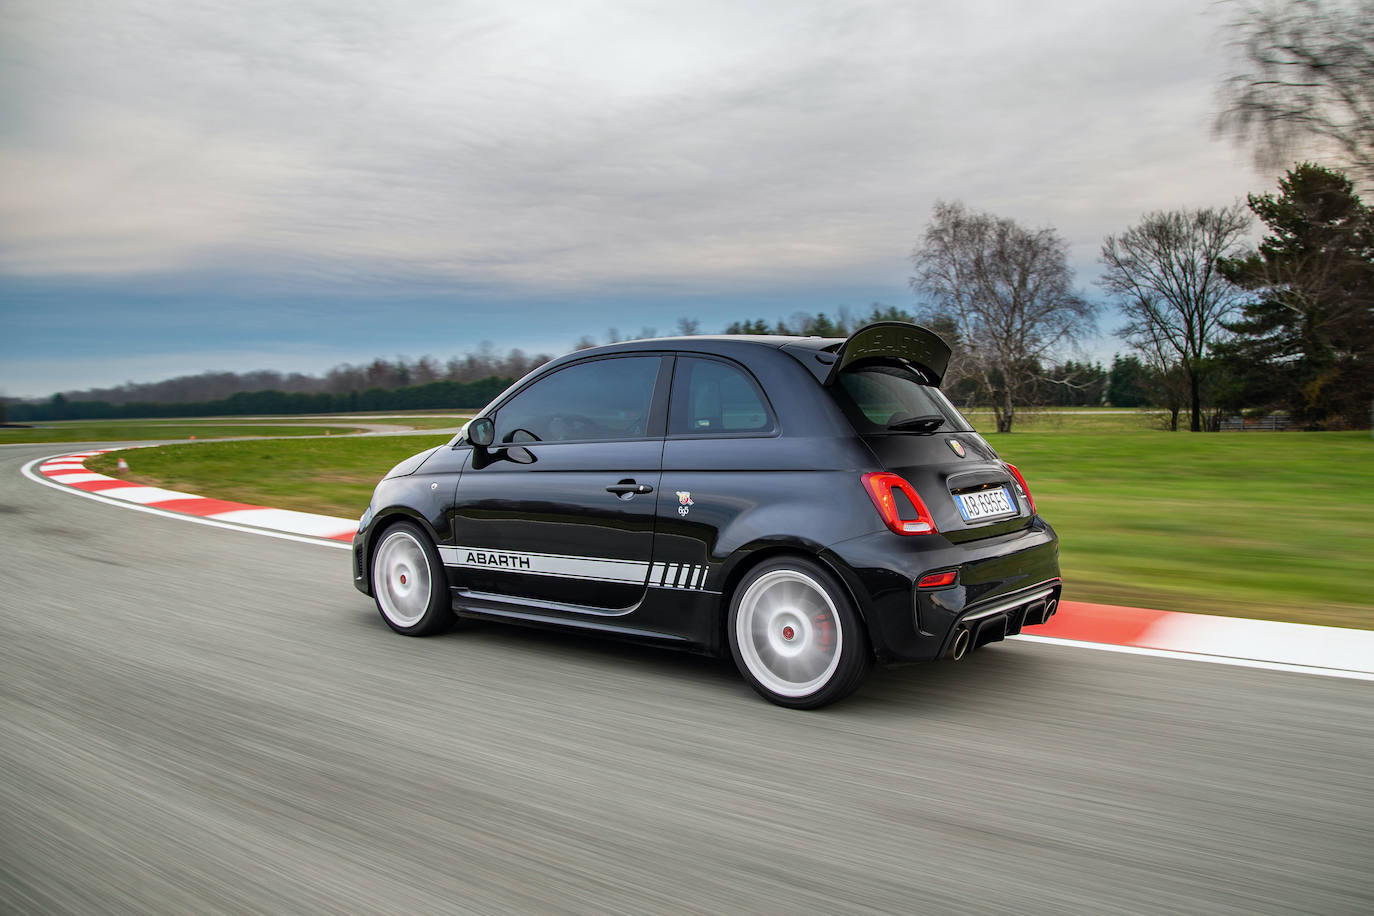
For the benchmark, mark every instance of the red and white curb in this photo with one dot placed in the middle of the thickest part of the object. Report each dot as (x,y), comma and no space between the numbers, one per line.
(69,472)
(1270,644)
(1265,644)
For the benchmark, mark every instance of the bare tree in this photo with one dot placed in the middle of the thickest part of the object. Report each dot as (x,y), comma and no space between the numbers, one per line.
(688,327)
(1164,273)
(1007,292)
(1306,89)
(424,371)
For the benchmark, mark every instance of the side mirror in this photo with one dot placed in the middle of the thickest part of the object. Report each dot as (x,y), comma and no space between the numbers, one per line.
(482,432)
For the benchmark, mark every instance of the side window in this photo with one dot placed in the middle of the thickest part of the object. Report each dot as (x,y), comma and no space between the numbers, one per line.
(600,399)
(712,397)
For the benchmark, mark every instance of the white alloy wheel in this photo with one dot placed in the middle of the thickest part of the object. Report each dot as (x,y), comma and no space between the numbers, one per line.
(402,578)
(789,633)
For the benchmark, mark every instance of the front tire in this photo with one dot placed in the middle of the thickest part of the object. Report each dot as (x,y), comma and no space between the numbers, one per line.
(795,636)
(408,582)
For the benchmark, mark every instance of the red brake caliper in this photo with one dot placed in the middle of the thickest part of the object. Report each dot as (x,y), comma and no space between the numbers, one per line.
(825,630)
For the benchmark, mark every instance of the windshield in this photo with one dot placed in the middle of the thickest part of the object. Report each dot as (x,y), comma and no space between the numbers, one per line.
(889,398)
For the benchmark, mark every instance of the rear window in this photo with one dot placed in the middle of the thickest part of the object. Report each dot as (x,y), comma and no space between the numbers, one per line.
(876,396)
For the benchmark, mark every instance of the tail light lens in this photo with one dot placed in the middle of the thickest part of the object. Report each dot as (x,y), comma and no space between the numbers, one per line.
(939,579)
(881,487)
(1021,482)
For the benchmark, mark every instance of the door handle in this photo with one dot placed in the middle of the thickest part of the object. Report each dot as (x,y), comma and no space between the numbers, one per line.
(629,486)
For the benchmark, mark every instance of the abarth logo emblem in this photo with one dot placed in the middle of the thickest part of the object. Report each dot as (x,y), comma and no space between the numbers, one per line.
(956,446)
(684,498)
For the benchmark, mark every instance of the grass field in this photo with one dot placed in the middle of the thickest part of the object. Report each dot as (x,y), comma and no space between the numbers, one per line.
(1075,420)
(1269,525)
(216,427)
(331,476)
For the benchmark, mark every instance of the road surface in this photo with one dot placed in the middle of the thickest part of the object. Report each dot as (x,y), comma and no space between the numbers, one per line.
(201,720)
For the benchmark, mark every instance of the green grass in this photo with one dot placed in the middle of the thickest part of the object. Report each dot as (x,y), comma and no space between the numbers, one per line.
(217,427)
(1075,420)
(330,476)
(1267,525)
(114,431)
(447,421)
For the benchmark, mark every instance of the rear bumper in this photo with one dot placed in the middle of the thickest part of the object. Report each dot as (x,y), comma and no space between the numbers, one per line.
(1003,583)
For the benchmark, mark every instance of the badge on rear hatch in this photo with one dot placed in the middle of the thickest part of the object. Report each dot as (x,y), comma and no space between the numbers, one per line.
(955,446)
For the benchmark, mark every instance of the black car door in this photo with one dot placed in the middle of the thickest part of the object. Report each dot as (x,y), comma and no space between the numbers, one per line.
(561,507)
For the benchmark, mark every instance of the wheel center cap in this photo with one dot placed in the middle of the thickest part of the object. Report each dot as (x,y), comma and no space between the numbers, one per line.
(788,633)
(403,578)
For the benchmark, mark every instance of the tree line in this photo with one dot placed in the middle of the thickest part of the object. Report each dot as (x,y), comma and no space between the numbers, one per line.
(443,394)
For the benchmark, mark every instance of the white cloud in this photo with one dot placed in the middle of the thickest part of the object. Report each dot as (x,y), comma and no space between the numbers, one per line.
(582,146)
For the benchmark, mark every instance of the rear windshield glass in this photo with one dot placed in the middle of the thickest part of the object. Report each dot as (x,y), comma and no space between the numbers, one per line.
(875,396)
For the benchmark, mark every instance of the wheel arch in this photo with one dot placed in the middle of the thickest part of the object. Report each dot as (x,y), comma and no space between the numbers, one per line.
(754,557)
(392,516)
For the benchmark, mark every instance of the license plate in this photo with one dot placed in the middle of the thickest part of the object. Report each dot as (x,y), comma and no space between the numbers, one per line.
(985,504)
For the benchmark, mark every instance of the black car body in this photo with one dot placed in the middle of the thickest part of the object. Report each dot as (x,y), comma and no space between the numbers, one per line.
(810,505)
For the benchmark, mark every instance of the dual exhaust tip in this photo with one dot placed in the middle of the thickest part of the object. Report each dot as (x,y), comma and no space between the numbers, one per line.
(1041,612)
(1037,613)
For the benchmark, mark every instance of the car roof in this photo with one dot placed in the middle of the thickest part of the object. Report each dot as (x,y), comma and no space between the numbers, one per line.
(710,343)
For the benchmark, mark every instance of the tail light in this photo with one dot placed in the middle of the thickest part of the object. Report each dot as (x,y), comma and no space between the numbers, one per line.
(881,486)
(1021,482)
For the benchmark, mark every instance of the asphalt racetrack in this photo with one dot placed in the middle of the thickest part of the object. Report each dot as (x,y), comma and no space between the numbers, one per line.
(195,719)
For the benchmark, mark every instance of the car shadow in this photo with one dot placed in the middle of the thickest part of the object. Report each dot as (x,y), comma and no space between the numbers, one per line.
(990,678)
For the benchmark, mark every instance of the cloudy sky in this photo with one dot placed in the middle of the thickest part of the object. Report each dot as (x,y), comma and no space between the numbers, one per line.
(290,184)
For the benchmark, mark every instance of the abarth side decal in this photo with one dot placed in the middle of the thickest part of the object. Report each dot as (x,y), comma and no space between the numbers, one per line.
(678,575)
(630,572)
(691,576)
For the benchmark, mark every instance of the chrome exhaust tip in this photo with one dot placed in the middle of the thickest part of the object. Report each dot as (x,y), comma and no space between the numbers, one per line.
(1050,607)
(959,648)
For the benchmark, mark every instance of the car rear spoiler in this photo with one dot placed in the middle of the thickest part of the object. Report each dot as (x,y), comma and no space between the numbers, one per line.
(921,347)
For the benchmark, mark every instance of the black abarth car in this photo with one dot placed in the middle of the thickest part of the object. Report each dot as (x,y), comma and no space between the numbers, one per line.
(809,505)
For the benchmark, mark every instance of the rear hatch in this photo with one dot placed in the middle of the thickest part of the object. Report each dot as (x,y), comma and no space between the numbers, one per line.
(886,380)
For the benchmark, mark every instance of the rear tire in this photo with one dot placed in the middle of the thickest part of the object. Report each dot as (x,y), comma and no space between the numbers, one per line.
(409,583)
(795,636)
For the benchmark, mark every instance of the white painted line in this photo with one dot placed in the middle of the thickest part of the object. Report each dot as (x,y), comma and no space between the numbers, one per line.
(62,466)
(287,520)
(28,471)
(1265,640)
(1197,657)
(147,494)
(78,478)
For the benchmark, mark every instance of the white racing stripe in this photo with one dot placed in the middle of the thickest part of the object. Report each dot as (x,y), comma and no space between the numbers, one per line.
(678,575)
(594,569)
(630,572)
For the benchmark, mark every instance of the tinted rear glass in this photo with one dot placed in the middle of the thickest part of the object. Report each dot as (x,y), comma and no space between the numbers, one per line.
(712,397)
(877,395)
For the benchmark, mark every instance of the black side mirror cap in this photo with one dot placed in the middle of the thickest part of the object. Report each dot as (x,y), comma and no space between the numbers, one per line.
(481,432)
